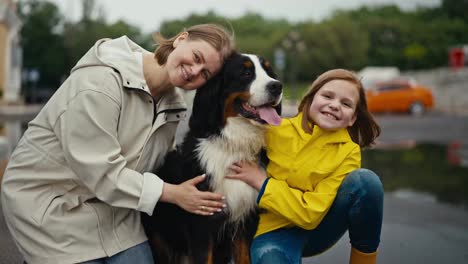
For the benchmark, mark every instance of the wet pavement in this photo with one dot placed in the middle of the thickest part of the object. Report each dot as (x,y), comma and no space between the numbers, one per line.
(417,229)
(9,253)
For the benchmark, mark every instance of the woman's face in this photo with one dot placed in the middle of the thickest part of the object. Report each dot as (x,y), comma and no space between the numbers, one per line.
(192,62)
(334,105)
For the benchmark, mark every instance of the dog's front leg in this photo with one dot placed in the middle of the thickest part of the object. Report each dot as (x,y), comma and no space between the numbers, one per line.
(222,252)
(202,251)
(241,252)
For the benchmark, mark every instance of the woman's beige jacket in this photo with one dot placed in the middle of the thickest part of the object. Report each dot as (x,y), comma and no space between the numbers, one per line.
(78,179)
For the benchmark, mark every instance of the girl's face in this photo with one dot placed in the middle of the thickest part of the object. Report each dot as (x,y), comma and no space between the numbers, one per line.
(192,63)
(334,105)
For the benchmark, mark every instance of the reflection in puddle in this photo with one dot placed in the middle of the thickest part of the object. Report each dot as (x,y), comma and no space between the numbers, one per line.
(407,194)
(422,171)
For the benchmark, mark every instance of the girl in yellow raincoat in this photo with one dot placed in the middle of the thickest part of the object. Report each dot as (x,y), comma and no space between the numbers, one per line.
(313,189)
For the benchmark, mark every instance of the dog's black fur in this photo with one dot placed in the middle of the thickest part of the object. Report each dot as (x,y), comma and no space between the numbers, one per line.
(177,236)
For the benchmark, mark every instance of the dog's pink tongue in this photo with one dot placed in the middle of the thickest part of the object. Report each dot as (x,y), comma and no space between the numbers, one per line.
(269,115)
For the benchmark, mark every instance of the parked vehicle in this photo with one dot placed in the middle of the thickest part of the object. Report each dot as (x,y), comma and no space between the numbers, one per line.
(399,96)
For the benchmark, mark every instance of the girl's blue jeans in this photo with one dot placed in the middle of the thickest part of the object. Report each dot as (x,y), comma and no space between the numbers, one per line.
(358,208)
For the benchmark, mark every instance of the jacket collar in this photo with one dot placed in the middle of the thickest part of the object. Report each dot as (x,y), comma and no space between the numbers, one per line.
(337,136)
(121,54)
(172,100)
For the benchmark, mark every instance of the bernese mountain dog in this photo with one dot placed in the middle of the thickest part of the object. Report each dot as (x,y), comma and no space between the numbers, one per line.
(227,125)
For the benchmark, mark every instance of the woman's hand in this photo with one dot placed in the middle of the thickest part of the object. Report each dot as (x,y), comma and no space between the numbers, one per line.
(248,172)
(188,197)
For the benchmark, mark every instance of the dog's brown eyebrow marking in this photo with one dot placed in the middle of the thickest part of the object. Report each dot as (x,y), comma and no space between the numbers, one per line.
(248,64)
(267,64)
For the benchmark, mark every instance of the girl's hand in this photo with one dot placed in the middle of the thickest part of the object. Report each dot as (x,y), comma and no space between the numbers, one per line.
(248,172)
(188,197)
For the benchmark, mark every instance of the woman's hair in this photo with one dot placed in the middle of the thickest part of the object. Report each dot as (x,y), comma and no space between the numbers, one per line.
(218,37)
(365,130)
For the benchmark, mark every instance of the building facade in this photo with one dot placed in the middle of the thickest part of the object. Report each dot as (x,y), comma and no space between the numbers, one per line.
(10,52)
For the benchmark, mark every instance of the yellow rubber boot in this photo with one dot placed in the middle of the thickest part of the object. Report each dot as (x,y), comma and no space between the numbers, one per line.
(358,257)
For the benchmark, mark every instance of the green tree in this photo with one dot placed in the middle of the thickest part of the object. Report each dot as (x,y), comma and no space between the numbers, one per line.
(455,8)
(380,35)
(52,46)
(255,34)
(42,41)
(252,32)
(171,27)
(386,27)
(418,39)
(334,43)
(80,36)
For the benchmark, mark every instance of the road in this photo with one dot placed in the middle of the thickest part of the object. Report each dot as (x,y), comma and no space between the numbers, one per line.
(433,127)
(416,230)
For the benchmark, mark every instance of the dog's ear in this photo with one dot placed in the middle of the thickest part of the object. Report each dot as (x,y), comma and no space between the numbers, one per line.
(207,111)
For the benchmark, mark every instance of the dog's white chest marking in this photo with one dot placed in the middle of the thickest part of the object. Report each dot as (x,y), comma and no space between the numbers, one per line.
(240,139)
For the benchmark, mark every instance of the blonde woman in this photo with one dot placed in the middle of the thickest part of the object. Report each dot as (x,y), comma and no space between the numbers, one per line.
(75,185)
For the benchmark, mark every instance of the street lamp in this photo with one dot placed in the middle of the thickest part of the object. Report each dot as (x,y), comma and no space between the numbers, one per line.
(294,46)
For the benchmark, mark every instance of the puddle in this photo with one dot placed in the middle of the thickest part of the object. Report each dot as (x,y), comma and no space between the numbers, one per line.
(420,171)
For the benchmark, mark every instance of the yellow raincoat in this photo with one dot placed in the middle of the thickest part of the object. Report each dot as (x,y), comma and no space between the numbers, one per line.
(305,172)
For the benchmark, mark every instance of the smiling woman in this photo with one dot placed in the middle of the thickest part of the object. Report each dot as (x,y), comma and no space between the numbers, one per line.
(191,57)
(192,63)
(84,162)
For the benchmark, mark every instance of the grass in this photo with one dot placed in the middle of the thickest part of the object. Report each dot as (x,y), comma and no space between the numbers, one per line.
(294,92)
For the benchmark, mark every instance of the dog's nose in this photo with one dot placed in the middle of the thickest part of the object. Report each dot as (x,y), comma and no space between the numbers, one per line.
(275,88)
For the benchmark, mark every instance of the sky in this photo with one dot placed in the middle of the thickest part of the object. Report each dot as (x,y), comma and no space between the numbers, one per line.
(148,14)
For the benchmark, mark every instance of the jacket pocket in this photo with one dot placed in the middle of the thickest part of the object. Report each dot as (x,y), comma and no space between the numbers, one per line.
(53,200)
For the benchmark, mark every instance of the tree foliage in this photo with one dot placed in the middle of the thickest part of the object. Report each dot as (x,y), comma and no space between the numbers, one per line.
(378,36)
(53,45)
(455,8)
(42,42)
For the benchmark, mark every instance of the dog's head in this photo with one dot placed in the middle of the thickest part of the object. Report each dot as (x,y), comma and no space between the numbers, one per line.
(245,87)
